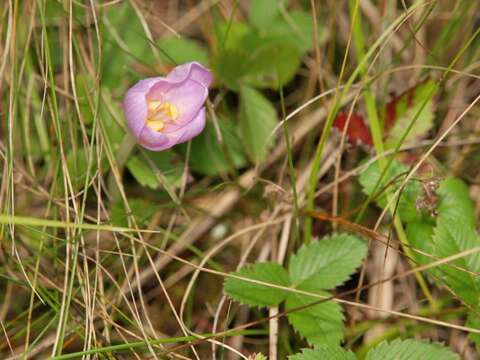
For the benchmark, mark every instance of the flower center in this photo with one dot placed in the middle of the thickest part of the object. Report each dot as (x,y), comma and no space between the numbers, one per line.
(160,113)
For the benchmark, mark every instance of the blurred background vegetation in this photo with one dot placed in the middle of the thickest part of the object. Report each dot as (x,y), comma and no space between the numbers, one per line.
(100,241)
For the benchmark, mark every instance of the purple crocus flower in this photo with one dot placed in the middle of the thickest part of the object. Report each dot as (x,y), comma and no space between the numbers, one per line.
(164,111)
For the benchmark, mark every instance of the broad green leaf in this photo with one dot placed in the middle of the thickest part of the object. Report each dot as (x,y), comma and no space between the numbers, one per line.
(142,210)
(411,350)
(319,324)
(258,60)
(208,157)
(257,121)
(473,321)
(167,165)
(453,237)
(455,203)
(327,263)
(324,352)
(392,180)
(263,12)
(230,66)
(182,50)
(162,169)
(253,294)
(230,34)
(411,108)
(272,61)
(142,172)
(296,27)
(124,42)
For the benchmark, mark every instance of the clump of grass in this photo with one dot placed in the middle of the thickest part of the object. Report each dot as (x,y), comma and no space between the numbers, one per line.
(110,250)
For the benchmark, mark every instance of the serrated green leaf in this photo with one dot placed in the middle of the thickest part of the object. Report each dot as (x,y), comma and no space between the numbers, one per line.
(209,158)
(411,107)
(262,13)
(393,178)
(453,237)
(473,321)
(182,50)
(257,121)
(319,324)
(324,352)
(420,236)
(296,27)
(411,350)
(258,356)
(256,294)
(327,263)
(455,203)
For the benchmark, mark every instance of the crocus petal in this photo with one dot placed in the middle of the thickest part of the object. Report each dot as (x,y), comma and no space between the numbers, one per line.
(135,104)
(154,140)
(188,97)
(189,131)
(192,70)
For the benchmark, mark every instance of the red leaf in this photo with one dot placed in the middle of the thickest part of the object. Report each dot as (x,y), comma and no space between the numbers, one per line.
(357,132)
(391,115)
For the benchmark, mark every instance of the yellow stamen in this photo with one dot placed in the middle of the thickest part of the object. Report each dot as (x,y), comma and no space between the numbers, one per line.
(156,125)
(159,113)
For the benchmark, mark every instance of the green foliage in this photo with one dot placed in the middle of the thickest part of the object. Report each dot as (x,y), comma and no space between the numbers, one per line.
(473,321)
(262,13)
(324,352)
(141,210)
(150,170)
(256,294)
(271,62)
(296,27)
(455,203)
(319,324)
(208,157)
(413,111)
(410,350)
(124,43)
(263,61)
(230,34)
(391,181)
(258,356)
(397,350)
(420,235)
(453,237)
(257,121)
(328,263)
(77,165)
(142,172)
(314,269)
(176,51)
